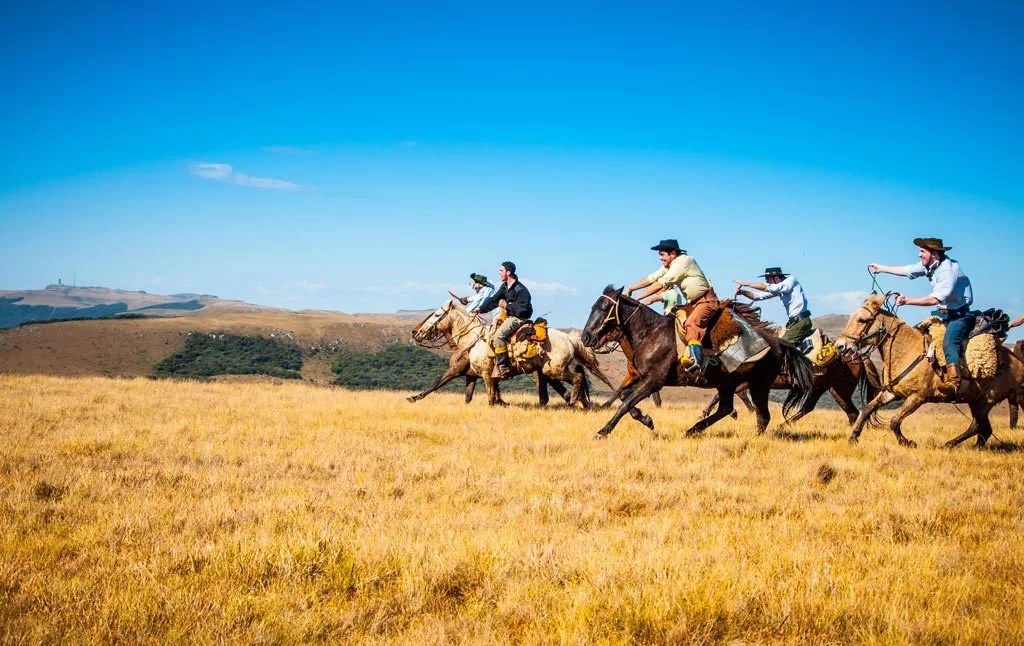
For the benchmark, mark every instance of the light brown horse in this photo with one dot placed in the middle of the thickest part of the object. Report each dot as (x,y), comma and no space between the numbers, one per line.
(438,326)
(564,359)
(908,375)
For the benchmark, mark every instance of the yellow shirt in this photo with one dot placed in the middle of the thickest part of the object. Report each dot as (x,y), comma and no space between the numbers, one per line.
(684,273)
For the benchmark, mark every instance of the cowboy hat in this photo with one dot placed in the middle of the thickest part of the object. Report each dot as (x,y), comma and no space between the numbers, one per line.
(931,244)
(668,245)
(770,272)
(480,279)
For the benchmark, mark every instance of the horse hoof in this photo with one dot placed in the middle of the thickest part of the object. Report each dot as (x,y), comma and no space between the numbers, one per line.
(600,436)
(853,439)
(648,422)
(411,400)
(910,444)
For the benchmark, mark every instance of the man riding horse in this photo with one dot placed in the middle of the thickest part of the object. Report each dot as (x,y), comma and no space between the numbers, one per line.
(680,270)
(516,311)
(791,293)
(482,290)
(951,291)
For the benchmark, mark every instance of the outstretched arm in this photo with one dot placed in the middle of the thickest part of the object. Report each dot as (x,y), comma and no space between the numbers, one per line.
(1017,322)
(895,270)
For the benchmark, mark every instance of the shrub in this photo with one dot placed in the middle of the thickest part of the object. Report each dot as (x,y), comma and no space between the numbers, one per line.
(205,355)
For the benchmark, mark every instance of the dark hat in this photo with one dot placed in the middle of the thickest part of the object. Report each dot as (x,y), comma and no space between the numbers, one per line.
(668,245)
(771,272)
(480,279)
(509,266)
(931,244)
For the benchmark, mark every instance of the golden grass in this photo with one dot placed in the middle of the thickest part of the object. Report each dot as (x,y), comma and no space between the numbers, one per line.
(154,511)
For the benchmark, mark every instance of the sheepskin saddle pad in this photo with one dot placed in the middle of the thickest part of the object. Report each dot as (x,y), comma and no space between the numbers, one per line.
(981,353)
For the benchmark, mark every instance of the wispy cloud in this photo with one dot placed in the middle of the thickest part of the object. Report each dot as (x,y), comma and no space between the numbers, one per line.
(843,302)
(287,150)
(224,173)
(310,285)
(549,288)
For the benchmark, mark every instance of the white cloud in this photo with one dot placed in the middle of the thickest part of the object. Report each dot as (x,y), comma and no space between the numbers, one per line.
(224,173)
(550,288)
(843,302)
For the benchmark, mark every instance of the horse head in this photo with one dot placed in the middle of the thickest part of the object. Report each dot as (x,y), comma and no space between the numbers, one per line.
(865,326)
(436,324)
(604,318)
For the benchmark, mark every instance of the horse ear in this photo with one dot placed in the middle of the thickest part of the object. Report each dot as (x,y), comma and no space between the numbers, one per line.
(874,293)
(621,289)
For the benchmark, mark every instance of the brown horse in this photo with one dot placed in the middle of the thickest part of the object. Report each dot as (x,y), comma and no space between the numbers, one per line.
(1013,400)
(841,378)
(909,376)
(631,374)
(654,338)
(439,326)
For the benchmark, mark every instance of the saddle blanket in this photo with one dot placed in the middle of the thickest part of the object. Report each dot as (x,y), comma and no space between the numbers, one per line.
(980,355)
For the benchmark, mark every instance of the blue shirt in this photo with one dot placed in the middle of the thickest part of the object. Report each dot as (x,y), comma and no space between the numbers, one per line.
(949,284)
(477,299)
(790,292)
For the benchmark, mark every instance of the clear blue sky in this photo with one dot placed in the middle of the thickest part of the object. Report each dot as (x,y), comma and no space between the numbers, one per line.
(363,159)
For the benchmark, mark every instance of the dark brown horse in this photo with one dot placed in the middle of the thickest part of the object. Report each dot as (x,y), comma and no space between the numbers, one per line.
(841,379)
(654,338)
(617,337)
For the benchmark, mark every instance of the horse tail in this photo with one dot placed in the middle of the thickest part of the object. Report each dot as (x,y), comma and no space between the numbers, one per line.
(588,358)
(801,373)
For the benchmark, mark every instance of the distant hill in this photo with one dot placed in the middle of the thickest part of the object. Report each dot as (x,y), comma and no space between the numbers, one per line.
(63,302)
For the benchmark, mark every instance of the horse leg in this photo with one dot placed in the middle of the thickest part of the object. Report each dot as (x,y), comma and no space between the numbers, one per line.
(493,394)
(810,403)
(656,397)
(909,406)
(972,430)
(759,393)
(881,399)
(542,388)
(637,392)
(579,387)
(984,425)
(845,401)
(560,389)
(726,392)
(711,405)
(470,388)
(441,381)
(1012,400)
(745,398)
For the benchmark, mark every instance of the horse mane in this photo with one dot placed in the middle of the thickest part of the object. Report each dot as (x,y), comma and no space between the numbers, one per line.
(749,313)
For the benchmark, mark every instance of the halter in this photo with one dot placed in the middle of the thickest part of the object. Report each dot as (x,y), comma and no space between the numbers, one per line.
(614,314)
(882,332)
(431,331)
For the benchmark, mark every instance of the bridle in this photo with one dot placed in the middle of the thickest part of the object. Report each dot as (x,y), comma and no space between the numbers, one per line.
(866,342)
(421,336)
(614,315)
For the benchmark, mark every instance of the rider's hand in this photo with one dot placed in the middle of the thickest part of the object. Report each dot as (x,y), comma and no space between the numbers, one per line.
(874,268)
(464,300)
(901,299)
(476,311)
(741,283)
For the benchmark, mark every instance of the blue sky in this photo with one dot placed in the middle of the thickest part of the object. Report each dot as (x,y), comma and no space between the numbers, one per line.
(366,158)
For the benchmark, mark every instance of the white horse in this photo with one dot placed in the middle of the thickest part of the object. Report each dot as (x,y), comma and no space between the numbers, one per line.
(564,356)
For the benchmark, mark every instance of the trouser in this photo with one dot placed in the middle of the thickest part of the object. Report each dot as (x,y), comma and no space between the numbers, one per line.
(798,328)
(959,324)
(504,331)
(698,316)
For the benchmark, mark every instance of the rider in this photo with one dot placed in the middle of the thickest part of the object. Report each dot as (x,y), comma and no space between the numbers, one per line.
(791,293)
(517,309)
(700,302)
(951,291)
(482,288)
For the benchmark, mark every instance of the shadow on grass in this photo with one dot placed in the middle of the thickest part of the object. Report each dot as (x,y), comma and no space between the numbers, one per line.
(796,436)
(1004,447)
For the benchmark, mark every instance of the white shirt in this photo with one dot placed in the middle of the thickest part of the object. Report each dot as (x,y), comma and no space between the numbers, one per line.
(790,292)
(477,299)
(949,284)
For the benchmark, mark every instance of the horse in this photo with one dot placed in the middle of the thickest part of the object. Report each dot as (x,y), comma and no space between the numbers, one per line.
(841,378)
(654,338)
(438,325)
(564,357)
(631,375)
(1013,400)
(908,375)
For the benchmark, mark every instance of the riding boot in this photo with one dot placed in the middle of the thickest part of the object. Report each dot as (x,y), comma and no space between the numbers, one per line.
(504,367)
(696,357)
(955,378)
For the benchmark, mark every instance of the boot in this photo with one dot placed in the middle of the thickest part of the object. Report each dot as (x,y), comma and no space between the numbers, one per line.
(954,377)
(696,356)
(504,367)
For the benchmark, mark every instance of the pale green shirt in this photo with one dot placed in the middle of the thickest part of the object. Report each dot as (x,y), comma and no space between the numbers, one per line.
(684,273)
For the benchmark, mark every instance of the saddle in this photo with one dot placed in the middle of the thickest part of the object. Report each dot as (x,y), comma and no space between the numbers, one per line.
(731,339)
(981,354)
(526,345)
(819,349)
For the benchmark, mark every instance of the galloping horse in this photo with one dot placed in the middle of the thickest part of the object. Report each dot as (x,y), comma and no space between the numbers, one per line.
(841,378)
(437,325)
(908,375)
(564,360)
(653,336)
(1013,400)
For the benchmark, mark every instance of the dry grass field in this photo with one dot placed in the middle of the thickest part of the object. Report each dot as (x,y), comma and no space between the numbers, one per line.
(159,511)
